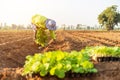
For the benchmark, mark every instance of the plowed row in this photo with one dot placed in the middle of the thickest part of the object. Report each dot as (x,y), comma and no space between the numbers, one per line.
(16,45)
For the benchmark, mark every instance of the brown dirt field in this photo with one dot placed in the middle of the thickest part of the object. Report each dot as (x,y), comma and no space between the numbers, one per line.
(16,45)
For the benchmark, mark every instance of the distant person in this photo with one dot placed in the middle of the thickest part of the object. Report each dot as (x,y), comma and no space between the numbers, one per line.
(44,30)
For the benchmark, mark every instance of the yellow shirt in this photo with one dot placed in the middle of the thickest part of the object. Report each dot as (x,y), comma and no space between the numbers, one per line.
(39,21)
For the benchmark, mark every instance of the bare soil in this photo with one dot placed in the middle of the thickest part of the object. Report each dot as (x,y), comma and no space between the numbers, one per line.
(16,45)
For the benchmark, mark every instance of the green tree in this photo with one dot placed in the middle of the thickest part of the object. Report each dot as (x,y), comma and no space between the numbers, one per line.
(109,17)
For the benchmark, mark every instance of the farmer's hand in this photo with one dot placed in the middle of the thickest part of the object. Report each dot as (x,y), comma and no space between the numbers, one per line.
(52,40)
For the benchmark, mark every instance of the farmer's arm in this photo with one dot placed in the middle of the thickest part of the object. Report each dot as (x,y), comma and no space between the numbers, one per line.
(52,34)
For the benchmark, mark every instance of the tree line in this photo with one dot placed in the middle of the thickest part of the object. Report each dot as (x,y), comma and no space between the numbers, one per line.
(109,19)
(14,26)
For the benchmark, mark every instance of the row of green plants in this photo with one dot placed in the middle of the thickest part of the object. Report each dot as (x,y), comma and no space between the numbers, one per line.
(102,51)
(58,63)
(105,51)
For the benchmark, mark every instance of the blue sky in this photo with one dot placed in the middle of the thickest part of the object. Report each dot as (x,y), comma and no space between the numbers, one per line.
(70,12)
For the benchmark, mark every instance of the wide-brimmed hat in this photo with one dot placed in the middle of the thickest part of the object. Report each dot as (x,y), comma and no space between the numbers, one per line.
(51,24)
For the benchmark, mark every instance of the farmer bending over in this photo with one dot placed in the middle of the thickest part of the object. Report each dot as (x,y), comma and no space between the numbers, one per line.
(44,30)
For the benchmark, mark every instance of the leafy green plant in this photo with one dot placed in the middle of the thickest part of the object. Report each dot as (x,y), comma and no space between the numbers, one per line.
(58,63)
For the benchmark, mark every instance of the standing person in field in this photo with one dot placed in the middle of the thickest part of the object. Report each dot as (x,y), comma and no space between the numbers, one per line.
(44,30)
